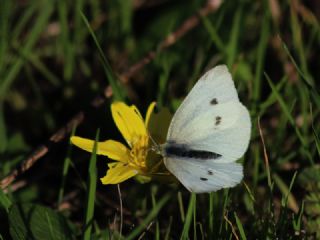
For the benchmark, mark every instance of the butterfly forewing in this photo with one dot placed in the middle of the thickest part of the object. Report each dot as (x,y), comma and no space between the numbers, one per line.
(214,88)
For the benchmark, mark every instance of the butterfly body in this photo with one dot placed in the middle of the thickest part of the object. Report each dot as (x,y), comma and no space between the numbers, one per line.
(207,134)
(184,151)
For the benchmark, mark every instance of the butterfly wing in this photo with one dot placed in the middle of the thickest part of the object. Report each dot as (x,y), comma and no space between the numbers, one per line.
(205,176)
(211,118)
(214,88)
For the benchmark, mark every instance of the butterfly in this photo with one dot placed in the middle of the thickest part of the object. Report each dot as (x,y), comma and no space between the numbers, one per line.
(207,134)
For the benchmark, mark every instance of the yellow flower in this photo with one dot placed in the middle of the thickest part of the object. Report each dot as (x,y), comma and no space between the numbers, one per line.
(130,161)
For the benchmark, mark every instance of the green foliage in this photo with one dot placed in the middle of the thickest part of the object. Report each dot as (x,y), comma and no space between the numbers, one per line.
(56,56)
(31,221)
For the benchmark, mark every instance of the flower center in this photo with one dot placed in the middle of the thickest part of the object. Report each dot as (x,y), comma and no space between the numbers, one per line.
(139,153)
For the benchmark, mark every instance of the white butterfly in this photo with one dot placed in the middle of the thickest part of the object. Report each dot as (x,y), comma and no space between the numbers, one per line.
(207,134)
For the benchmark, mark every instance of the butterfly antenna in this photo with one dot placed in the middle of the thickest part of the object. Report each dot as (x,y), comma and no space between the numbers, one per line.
(155,146)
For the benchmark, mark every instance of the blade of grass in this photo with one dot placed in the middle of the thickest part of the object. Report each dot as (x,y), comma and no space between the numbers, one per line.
(163,81)
(23,20)
(240,227)
(181,207)
(211,214)
(5,202)
(78,24)
(153,199)
(224,207)
(195,222)
(272,97)
(4,33)
(234,39)
(153,213)
(262,46)
(298,39)
(265,155)
(304,76)
(297,223)
(3,130)
(308,81)
(212,31)
(286,111)
(40,23)
(66,165)
(41,67)
(117,93)
(65,39)
(315,133)
(167,235)
(187,223)
(288,199)
(91,190)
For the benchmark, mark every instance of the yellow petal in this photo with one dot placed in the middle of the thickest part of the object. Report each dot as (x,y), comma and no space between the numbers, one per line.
(149,112)
(117,173)
(129,121)
(113,149)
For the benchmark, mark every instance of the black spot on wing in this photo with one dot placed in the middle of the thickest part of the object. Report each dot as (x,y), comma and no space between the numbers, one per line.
(203,179)
(214,101)
(218,120)
(210,172)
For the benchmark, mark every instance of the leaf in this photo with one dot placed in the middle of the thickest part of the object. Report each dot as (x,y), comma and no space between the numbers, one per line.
(309,178)
(31,221)
(5,202)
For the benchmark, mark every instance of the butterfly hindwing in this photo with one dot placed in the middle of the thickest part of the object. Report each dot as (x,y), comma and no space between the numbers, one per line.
(205,175)
(230,141)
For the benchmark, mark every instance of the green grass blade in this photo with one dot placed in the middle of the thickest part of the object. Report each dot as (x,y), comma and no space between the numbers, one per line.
(40,23)
(232,47)
(23,21)
(5,202)
(153,213)
(297,223)
(4,30)
(3,130)
(212,31)
(289,194)
(195,222)
(41,67)
(181,207)
(317,139)
(297,35)
(307,79)
(66,166)
(189,217)
(65,39)
(211,213)
(240,227)
(168,231)
(261,52)
(91,190)
(286,111)
(272,97)
(154,203)
(117,93)
(288,199)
